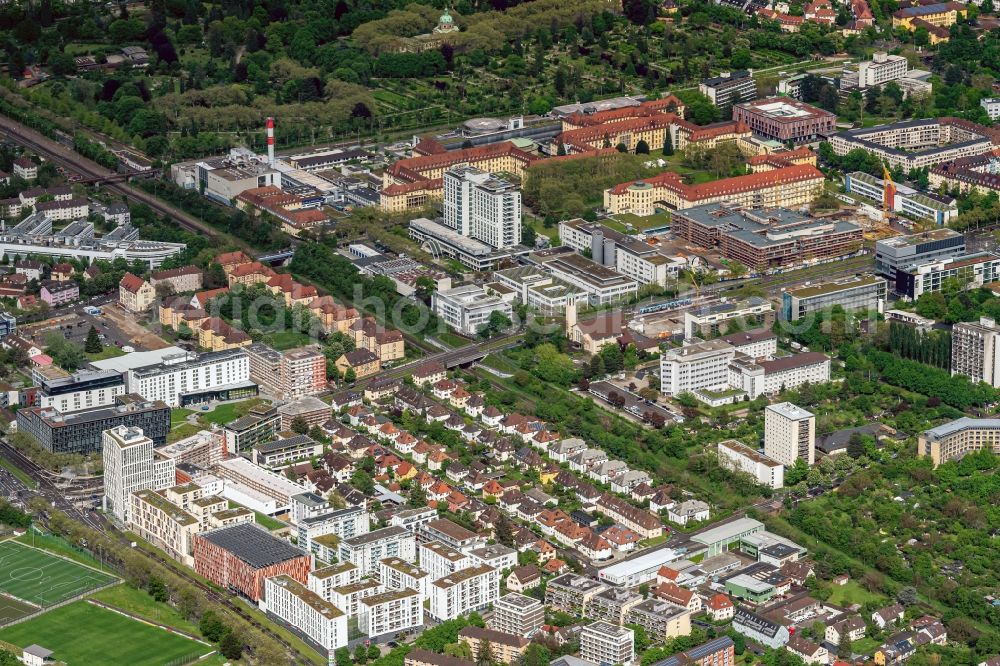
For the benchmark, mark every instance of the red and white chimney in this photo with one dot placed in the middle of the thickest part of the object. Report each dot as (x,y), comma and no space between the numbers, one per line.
(270,141)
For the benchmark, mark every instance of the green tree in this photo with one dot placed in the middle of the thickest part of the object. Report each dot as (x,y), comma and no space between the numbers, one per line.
(485,655)
(642,148)
(93,344)
(350,376)
(231,646)
(360,654)
(668,145)
(342,656)
(363,482)
(374,652)
(299,425)
(212,627)
(845,648)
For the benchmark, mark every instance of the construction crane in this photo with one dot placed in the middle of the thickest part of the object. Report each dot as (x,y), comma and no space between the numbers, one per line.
(888,194)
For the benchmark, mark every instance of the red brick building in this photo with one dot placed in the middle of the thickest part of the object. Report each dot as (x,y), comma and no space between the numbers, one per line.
(240,557)
(785,119)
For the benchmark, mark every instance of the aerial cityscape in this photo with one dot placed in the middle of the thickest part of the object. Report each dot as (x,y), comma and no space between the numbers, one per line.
(528,333)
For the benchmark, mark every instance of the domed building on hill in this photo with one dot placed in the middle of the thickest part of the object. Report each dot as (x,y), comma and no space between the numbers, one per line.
(445,24)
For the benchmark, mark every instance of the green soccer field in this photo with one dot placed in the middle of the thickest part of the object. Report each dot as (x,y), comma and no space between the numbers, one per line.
(43,579)
(81,633)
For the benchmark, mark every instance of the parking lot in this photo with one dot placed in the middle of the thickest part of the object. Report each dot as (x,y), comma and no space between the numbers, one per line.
(114,327)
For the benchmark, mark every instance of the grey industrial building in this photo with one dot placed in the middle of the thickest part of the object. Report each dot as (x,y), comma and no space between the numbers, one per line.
(902,251)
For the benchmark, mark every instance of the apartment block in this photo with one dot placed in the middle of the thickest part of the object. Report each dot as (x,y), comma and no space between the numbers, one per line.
(517,614)
(287,375)
(970,270)
(467,590)
(661,620)
(738,457)
(398,574)
(440,560)
(974,351)
(711,320)
(184,379)
(130,464)
(390,611)
(260,424)
(321,624)
(324,581)
(606,643)
(789,434)
(81,432)
(366,550)
(345,523)
(613,605)
(572,593)
(163,524)
(504,648)
(783,119)
(348,597)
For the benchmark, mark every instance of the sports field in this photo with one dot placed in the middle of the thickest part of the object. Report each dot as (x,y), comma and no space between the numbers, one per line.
(42,579)
(82,633)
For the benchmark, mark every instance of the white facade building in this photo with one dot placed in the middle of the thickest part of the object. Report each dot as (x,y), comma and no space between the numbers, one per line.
(517,614)
(789,434)
(345,523)
(316,618)
(703,365)
(365,551)
(769,377)
(463,592)
(440,560)
(992,106)
(85,389)
(324,581)
(390,611)
(184,378)
(398,574)
(483,206)
(881,69)
(130,464)
(605,643)
(468,308)
(738,457)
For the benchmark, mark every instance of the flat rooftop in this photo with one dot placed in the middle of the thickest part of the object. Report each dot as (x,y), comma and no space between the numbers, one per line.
(307,596)
(253,545)
(727,531)
(745,451)
(836,286)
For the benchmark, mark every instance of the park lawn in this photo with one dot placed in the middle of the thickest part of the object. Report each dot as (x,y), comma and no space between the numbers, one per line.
(852,593)
(181,431)
(866,645)
(179,416)
(138,602)
(655,541)
(288,339)
(223,414)
(82,633)
(109,351)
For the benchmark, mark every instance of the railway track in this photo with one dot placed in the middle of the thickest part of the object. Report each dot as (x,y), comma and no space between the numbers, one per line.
(59,154)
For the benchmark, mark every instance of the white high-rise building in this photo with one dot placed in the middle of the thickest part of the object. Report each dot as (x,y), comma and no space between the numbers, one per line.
(789,434)
(130,464)
(703,365)
(606,643)
(881,69)
(482,206)
(974,351)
